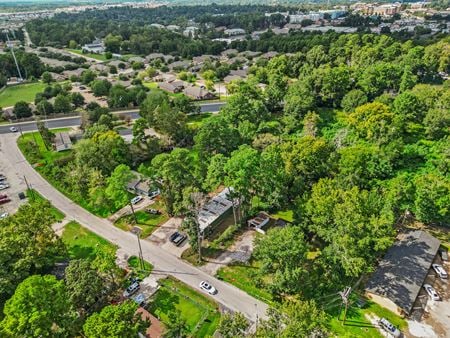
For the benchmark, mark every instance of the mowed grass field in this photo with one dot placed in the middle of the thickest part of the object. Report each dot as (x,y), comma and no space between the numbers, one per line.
(24,92)
(198,311)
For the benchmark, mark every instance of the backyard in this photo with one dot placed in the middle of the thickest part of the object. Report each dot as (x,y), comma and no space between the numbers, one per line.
(198,311)
(23,92)
(146,221)
(82,243)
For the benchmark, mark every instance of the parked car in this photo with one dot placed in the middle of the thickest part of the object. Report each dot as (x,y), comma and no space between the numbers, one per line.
(131,289)
(13,129)
(139,299)
(431,292)
(4,215)
(5,200)
(208,288)
(387,326)
(136,200)
(440,271)
(154,211)
(177,238)
(4,186)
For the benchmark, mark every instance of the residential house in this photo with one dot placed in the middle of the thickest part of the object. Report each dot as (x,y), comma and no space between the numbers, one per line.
(62,141)
(397,281)
(142,187)
(96,47)
(234,31)
(198,93)
(172,87)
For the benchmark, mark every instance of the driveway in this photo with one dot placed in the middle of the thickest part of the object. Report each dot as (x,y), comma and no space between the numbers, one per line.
(163,262)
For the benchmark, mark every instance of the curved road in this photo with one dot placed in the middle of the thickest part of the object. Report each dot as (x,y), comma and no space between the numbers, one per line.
(164,262)
(74,121)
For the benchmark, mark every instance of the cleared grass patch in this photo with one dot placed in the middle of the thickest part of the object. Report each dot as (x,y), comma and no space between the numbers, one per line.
(23,92)
(200,313)
(146,221)
(244,278)
(82,243)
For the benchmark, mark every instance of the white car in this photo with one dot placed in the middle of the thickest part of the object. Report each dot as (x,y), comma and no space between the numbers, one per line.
(440,271)
(4,215)
(136,200)
(387,326)
(4,186)
(431,292)
(13,129)
(208,288)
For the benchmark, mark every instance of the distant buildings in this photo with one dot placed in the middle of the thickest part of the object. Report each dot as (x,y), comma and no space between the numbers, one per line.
(96,47)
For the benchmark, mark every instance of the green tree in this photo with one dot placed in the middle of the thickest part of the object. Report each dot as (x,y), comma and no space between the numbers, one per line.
(233,326)
(22,109)
(39,308)
(117,183)
(62,104)
(115,321)
(84,285)
(47,77)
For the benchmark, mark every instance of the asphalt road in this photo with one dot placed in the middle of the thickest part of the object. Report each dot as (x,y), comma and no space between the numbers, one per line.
(164,262)
(76,120)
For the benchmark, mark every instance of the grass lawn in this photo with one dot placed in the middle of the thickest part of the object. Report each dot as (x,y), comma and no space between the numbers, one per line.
(196,121)
(23,92)
(135,265)
(82,243)
(200,313)
(357,325)
(100,57)
(148,222)
(242,277)
(34,196)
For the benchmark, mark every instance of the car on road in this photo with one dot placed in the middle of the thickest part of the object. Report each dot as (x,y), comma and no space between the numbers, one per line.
(4,215)
(136,200)
(154,211)
(208,288)
(387,326)
(131,289)
(431,292)
(5,200)
(4,186)
(13,130)
(177,238)
(440,271)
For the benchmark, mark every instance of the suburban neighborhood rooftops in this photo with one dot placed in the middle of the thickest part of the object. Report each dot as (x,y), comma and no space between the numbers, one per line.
(402,271)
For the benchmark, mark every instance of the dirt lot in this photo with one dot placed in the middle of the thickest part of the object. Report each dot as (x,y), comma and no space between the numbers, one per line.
(15,181)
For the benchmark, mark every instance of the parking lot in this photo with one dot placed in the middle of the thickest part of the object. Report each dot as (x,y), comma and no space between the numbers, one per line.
(15,181)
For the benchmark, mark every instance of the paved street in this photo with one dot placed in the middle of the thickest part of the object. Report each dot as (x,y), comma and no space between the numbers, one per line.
(164,262)
(75,120)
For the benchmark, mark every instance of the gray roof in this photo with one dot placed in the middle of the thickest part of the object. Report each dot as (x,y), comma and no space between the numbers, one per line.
(403,270)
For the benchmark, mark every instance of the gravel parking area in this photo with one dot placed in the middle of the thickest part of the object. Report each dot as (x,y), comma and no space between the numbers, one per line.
(16,183)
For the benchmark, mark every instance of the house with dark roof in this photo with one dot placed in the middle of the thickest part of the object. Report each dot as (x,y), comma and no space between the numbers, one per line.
(400,275)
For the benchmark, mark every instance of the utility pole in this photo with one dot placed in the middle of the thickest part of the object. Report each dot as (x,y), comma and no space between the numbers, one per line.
(137,231)
(345,300)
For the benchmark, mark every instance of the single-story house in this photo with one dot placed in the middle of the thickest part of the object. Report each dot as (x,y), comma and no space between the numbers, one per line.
(397,281)
(172,87)
(139,186)
(198,93)
(62,141)
(214,211)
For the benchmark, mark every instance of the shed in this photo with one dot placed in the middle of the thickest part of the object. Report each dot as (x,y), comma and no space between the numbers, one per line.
(400,275)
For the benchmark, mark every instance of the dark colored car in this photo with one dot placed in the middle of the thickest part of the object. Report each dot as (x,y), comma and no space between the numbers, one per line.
(177,238)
